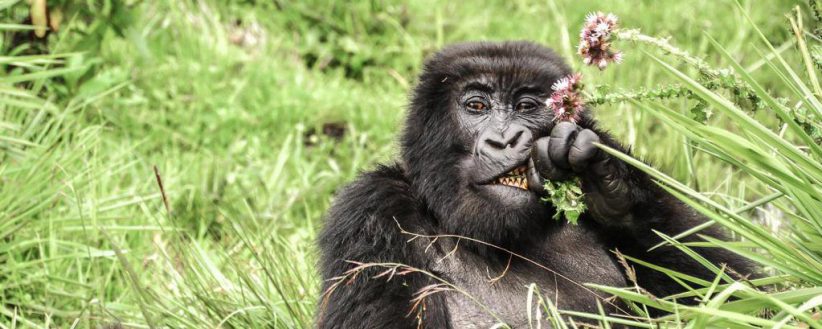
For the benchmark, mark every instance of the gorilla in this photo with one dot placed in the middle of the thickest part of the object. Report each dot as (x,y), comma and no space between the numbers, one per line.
(463,205)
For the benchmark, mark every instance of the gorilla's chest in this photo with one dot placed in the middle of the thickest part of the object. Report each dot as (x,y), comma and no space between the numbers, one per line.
(491,293)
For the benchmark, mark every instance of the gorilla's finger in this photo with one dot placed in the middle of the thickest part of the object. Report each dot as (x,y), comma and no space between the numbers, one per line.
(604,185)
(543,164)
(583,150)
(535,182)
(601,168)
(606,212)
(562,137)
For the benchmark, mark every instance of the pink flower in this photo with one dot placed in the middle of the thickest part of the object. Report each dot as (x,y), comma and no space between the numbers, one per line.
(595,40)
(566,100)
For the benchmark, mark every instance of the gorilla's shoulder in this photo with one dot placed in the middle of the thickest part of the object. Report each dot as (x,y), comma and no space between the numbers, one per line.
(381,189)
(363,222)
(374,202)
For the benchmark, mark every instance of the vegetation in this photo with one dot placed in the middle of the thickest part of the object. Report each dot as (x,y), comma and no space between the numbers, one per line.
(168,163)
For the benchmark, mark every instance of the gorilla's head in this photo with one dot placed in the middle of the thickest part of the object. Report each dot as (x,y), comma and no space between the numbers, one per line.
(475,111)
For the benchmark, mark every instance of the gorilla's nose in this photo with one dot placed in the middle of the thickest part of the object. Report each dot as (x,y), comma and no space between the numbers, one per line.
(505,143)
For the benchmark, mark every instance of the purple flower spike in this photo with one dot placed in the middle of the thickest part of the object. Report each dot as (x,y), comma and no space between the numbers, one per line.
(566,100)
(595,40)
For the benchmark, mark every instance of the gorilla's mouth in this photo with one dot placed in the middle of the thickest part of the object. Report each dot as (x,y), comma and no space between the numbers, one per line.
(514,178)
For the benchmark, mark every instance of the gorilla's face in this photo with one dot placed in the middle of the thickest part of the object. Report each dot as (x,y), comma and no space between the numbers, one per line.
(500,122)
(475,112)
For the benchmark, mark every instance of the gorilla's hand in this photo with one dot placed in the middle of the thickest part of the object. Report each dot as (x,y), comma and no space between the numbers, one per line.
(570,151)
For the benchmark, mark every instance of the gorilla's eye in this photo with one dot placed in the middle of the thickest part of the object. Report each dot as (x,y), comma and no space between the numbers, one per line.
(526,105)
(476,105)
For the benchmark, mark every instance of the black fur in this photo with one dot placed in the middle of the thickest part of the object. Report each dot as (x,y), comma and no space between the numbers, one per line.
(429,192)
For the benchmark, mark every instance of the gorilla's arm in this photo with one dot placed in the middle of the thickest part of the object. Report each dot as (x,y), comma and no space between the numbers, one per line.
(628,205)
(361,227)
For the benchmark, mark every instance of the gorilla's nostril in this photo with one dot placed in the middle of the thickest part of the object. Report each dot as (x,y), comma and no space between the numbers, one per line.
(514,140)
(496,144)
(510,138)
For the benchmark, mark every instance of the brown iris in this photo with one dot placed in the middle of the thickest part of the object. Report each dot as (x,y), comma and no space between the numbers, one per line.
(477,106)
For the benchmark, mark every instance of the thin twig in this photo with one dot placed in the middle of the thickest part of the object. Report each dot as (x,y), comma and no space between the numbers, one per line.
(162,190)
(454,236)
(501,275)
(350,275)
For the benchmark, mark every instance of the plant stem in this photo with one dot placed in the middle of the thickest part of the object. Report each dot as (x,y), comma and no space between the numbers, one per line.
(662,43)
(724,78)
(672,91)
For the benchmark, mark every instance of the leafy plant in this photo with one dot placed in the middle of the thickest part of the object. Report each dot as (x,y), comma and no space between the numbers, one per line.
(566,197)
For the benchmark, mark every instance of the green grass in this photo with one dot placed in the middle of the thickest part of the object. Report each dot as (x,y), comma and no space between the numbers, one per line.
(85,238)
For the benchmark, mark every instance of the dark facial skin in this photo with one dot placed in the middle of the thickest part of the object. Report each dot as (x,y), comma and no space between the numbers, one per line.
(504,123)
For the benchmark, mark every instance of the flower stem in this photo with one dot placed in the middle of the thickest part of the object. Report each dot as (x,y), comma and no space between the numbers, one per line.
(662,43)
(664,92)
(711,77)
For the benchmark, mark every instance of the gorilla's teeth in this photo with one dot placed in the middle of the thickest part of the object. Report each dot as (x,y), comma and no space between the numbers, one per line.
(518,171)
(513,181)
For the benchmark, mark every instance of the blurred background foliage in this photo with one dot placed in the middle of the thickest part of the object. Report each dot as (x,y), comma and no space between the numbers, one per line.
(253,113)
